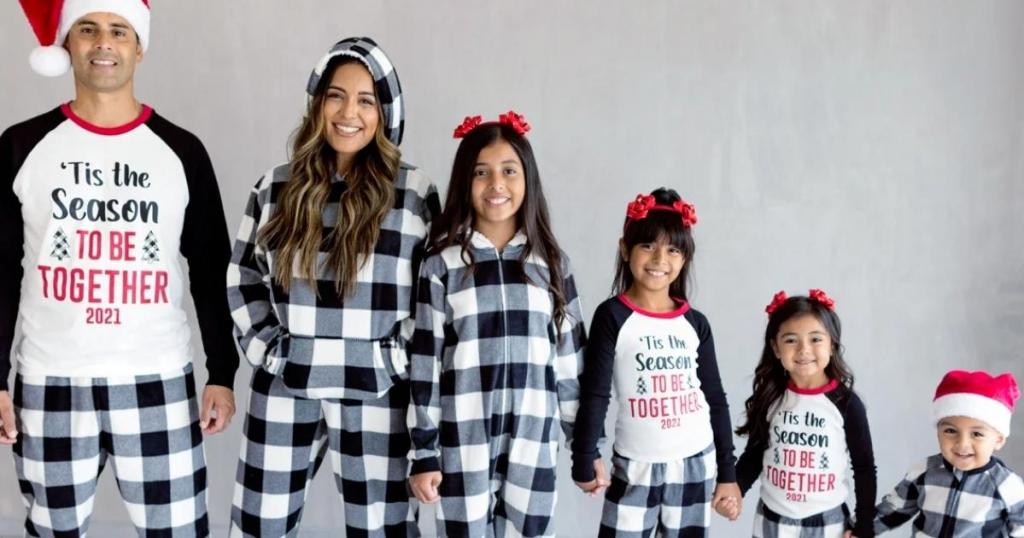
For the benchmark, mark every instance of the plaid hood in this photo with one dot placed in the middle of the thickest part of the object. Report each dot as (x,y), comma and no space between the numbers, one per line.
(385,80)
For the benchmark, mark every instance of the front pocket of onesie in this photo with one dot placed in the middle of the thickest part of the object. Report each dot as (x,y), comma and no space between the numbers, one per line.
(277,355)
(344,368)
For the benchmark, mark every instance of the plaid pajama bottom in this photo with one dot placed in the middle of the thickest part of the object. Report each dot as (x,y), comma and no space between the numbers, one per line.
(673,499)
(829,524)
(501,486)
(146,426)
(286,438)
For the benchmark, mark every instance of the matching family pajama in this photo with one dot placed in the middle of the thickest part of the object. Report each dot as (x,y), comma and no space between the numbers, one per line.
(673,437)
(987,502)
(93,221)
(815,436)
(493,378)
(331,373)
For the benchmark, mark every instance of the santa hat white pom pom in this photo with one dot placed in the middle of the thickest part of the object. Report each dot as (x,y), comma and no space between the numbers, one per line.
(52,61)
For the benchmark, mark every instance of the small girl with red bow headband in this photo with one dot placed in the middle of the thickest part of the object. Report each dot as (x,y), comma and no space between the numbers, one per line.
(806,428)
(673,436)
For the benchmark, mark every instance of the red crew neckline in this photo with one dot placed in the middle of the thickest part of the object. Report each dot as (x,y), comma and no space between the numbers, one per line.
(684,307)
(107,131)
(831,385)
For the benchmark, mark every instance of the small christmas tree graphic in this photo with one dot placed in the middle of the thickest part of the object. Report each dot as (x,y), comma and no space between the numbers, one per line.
(641,385)
(776,455)
(61,246)
(824,461)
(150,248)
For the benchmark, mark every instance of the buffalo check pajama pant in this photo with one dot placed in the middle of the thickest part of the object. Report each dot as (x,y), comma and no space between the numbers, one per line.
(147,427)
(499,485)
(829,524)
(286,439)
(670,499)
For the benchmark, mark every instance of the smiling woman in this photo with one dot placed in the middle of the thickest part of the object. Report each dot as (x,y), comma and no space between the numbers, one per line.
(350,112)
(328,242)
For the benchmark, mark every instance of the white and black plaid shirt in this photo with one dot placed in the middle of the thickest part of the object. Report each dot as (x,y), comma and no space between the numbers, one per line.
(486,357)
(323,345)
(949,503)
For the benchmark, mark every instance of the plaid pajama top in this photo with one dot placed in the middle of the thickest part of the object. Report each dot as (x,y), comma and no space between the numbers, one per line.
(949,503)
(486,358)
(323,345)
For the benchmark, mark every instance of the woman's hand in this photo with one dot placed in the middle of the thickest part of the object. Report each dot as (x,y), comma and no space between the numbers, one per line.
(424,486)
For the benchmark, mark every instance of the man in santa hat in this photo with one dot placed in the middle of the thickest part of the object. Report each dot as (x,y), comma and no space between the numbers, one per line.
(97,198)
(964,490)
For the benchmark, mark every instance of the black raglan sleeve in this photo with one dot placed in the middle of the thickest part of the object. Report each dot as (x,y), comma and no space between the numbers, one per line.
(750,464)
(16,143)
(862,459)
(714,393)
(595,391)
(207,247)
(12,249)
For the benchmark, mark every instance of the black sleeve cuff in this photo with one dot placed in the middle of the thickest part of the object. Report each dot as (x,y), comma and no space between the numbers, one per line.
(222,377)
(583,467)
(864,529)
(425,465)
(5,372)
(726,473)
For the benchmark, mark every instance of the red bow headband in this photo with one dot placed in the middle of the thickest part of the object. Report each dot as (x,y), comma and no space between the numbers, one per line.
(816,295)
(644,203)
(511,118)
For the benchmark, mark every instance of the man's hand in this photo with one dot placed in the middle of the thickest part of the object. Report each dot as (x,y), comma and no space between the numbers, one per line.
(217,410)
(8,428)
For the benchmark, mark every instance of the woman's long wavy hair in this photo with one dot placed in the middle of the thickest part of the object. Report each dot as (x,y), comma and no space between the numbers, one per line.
(456,222)
(297,231)
(771,379)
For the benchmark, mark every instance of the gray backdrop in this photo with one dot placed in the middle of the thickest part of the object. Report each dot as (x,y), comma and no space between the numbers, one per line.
(874,149)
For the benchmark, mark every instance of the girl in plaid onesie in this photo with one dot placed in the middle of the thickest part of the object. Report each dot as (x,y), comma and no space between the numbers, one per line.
(806,428)
(497,346)
(673,452)
(320,286)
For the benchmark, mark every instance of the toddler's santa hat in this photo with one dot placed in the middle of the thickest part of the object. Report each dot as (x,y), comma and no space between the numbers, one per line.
(52,19)
(977,395)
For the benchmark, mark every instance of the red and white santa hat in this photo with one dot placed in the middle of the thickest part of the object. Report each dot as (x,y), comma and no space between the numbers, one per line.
(52,19)
(977,395)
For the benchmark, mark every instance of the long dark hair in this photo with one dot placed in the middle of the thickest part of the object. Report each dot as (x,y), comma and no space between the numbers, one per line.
(295,229)
(771,379)
(454,225)
(657,225)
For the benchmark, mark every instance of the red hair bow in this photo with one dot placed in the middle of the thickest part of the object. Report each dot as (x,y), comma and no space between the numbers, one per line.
(821,298)
(516,121)
(637,209)
(688,212)
(644,203)
(777,301)
(468,124)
